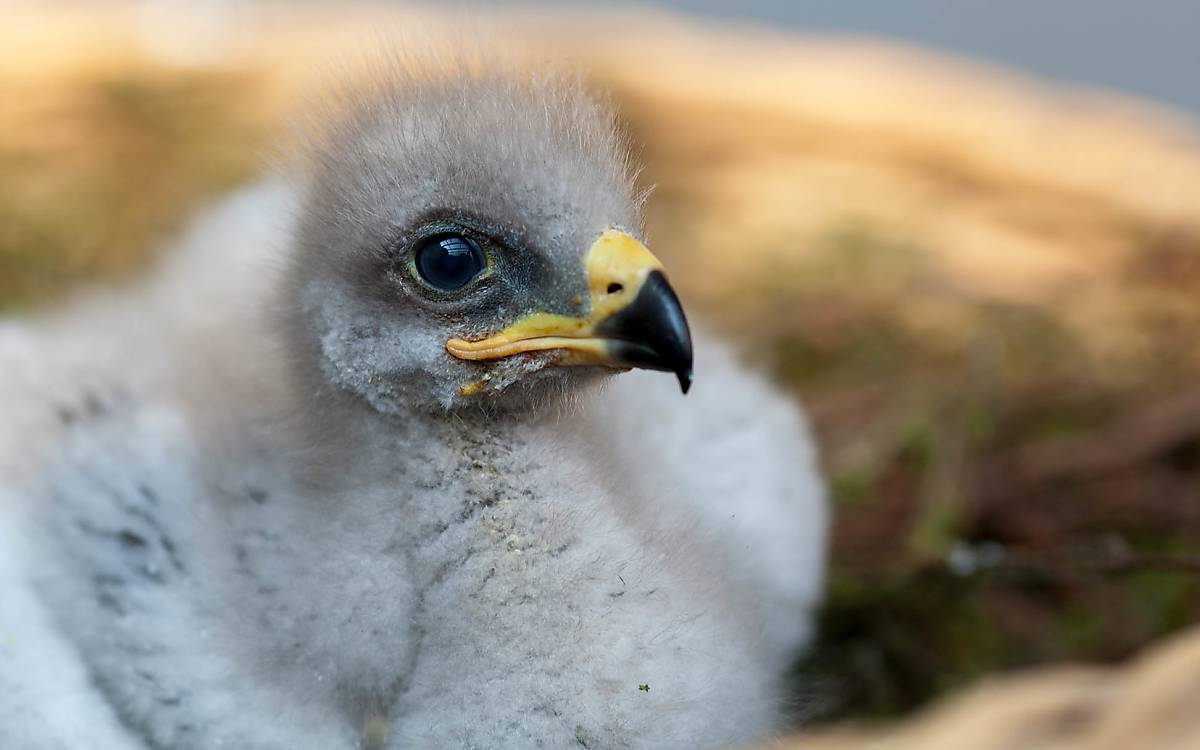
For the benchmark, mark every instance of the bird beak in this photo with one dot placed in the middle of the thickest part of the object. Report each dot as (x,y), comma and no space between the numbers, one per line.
(635,321)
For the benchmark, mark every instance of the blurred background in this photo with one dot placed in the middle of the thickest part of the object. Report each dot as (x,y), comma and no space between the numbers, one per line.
(965,233)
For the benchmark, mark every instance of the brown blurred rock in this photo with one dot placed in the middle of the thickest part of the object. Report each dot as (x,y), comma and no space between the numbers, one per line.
(1151,704)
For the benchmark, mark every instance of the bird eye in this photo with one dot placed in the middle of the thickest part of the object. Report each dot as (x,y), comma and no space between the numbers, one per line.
(448,262)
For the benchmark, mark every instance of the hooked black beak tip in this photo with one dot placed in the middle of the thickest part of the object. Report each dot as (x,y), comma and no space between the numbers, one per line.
(652,332)
(685,379)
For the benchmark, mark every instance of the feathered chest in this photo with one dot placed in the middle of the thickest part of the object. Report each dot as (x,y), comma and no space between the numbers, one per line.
(204,599)
(429,525)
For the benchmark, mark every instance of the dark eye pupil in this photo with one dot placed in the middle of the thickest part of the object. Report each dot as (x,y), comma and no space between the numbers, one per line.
(449,261)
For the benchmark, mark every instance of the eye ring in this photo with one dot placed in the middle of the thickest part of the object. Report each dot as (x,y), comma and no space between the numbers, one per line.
(448,261)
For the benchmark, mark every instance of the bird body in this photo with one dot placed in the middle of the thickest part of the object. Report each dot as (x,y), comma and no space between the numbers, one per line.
(246,503)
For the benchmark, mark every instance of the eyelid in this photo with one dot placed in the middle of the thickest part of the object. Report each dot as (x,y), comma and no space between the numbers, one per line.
(486,231)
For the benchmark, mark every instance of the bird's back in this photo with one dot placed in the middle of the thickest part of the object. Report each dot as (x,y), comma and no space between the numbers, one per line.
(98,400)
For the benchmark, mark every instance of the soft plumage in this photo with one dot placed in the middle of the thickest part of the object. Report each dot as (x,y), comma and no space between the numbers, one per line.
(253,502)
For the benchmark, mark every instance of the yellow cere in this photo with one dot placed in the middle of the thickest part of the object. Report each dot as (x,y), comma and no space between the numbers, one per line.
(617,258)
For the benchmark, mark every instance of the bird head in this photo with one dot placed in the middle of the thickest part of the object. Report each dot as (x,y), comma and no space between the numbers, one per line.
(473,238)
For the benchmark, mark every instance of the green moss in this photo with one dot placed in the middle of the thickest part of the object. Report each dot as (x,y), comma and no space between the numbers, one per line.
(850,486)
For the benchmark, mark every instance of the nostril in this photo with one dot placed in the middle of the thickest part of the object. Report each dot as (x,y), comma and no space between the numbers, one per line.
(614,287)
